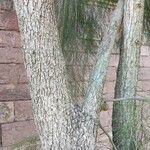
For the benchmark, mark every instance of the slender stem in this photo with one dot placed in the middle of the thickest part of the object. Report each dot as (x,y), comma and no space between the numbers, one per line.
(146,99)
(109,137)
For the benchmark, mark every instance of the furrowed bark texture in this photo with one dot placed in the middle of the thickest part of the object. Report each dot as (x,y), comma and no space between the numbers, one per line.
(124,112)
(86,135)
(45,65)
(46,71)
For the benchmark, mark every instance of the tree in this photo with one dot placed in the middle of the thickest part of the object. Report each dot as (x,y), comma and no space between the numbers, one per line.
(61,123)
(124,112)
(46,71)
(54,111)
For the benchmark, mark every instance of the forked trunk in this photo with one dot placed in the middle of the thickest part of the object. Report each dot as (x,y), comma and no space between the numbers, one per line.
(60,126)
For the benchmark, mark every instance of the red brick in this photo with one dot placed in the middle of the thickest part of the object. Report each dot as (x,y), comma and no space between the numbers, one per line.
(145,50)
(12,73)
(8,20)
(114,61)
(109,95)
(143,94)
(145,61)
(144,86)
(109,87)
(111,74)
(144,74)
(22,74)
(6,112)
(14,92)
(11,55)
(105,117)
(23,110)
(17,131)
(10,38)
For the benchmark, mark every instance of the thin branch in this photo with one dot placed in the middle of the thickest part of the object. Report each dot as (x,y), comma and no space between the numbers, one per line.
(110,139)
(97,78)
(146,99)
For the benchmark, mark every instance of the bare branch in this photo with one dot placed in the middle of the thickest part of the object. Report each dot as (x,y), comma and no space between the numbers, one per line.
(146,99)
(105,132)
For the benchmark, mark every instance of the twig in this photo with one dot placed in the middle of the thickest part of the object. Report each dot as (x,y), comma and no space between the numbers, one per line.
(146,99)
(110,139)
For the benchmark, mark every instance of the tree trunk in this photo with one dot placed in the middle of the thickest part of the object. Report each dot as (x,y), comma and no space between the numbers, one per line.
(46,72)
(124,112)
(60,126)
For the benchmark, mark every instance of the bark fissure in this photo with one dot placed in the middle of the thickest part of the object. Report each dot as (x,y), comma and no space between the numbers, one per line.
(46,71)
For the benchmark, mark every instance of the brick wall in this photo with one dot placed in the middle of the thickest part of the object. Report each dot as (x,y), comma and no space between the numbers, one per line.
(16,120)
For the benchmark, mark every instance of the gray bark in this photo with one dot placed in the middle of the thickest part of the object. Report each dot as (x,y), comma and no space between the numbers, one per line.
(60,126)
(124,112)
(46,72)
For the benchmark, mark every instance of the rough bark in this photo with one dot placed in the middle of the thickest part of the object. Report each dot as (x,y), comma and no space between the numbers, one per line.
(46,71)
(124,112)
(60,126)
